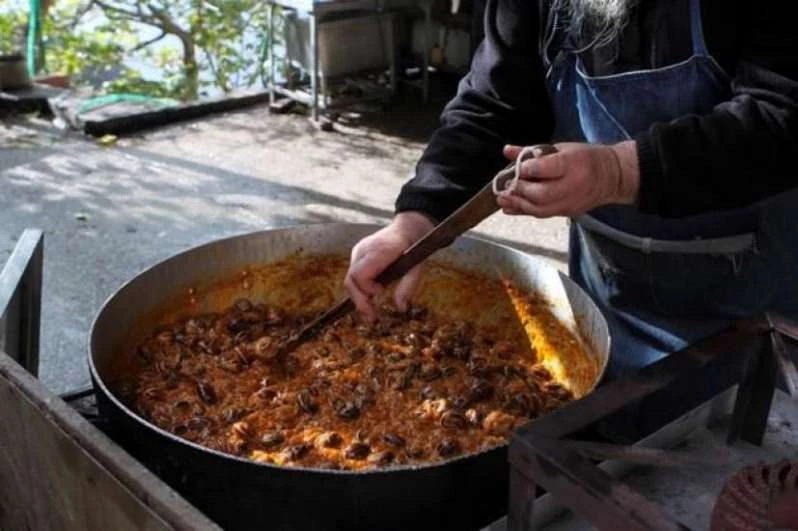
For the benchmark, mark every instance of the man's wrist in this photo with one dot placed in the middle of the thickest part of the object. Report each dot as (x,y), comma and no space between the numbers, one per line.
(628,171)
(413,224)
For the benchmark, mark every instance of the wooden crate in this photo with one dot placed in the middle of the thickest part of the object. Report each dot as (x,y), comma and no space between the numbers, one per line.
(57,471)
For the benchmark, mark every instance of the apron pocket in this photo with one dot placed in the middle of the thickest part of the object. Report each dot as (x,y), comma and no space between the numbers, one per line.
(689,283)
(617,275)
(701,278)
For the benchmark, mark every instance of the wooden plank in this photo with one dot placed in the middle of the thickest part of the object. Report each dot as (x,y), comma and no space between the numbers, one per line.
(737,340)
(59,472)
(786,364)
(143,120)
(547,507)
(521,504)
(20,300)
(592,493)
(644,455)
(37,93)
(754,398)
(784,326)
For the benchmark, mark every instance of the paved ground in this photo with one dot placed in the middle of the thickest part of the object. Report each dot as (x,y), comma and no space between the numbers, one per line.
(108,212)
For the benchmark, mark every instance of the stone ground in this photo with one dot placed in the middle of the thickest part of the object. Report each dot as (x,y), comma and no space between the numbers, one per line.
(108,212)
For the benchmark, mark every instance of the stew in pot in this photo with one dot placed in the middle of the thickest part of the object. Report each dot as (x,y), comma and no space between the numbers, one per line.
(409,388)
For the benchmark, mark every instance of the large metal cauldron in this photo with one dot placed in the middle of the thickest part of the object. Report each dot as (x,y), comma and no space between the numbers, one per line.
(463,493)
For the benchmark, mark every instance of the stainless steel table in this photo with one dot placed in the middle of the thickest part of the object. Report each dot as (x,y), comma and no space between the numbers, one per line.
(319,11)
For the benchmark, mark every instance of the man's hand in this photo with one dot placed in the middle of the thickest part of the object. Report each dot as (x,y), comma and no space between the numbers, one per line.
(579,178)
(374,253)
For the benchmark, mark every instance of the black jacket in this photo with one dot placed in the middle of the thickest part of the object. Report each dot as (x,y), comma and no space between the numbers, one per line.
(742,152)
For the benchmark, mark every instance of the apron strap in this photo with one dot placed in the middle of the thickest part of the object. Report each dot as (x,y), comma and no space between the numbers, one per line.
(697,30)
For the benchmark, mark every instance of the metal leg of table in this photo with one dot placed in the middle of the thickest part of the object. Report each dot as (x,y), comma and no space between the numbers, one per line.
(392,63)
(314,67)
(393,75)
(272,79)
(427,45)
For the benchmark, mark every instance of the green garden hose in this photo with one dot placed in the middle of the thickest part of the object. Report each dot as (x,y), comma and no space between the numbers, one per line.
(110,99)
(34,27)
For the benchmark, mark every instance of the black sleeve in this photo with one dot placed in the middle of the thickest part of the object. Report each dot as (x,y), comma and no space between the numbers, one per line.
(502,100)
(743,151)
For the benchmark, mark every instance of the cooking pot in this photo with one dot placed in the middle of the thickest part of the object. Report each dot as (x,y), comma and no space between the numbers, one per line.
(465,492)
(13,72)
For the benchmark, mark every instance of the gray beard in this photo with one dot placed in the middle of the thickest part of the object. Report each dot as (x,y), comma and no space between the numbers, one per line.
(596,22)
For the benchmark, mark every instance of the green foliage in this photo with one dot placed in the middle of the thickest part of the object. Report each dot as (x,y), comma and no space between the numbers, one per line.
(230,33)
(130,81)
(12,29)
(81,47)
(195,45)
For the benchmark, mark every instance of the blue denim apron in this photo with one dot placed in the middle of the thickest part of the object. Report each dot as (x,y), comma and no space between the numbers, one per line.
(665,283)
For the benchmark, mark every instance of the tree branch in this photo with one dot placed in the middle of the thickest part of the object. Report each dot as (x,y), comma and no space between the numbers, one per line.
(167,22)
(147,42)
(213,5)
(217,75)
(133,16)
(71,24)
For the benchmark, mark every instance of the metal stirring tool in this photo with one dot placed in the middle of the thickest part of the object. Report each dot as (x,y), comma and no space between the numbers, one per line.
(474,211)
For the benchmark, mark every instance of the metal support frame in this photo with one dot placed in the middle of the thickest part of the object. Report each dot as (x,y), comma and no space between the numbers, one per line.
(427,7)
(20,301)
(272,67)
(542,455)
(317,12)
(314,65)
